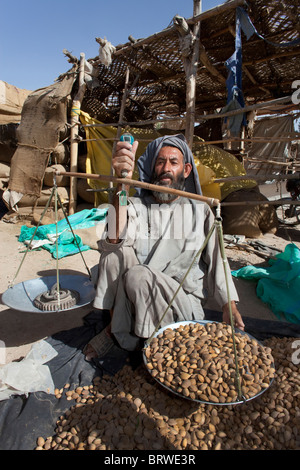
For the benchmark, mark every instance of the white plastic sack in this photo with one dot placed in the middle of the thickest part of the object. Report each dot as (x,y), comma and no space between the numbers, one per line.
(30,374)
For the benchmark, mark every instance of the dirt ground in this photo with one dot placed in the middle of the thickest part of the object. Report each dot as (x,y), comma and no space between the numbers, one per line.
(19,330)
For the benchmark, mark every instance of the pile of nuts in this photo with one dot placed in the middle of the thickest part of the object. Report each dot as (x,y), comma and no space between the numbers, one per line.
(132,411)
(197,361)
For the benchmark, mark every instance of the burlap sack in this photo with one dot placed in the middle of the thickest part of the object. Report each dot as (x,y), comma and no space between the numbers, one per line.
(4,170)
(61,154)
(249,220)
(61,180)
(44,115)
(48,217)
(82,186)
(31,201)
(8,141)
(82,163)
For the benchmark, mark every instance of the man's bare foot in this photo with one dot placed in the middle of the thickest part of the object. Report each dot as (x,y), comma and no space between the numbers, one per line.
(89,352)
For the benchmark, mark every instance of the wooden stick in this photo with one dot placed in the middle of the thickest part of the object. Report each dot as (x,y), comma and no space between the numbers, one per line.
(213,12)
(191,65)
(121,115)
(140,184)
(274,202)
(273,162)
(252,250)
(258,178)
(203,117)
(271,57)
(254,140)
(208,142)
(123,104)
(75,111)
(154,187)
(227,6)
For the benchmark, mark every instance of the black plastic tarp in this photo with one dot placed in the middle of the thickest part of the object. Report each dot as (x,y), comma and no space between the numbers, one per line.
(23,419)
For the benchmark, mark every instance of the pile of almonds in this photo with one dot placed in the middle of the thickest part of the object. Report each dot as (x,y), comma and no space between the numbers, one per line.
(197,361)
(132,411)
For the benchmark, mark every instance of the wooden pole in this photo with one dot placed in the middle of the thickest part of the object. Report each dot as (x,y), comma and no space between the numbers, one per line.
(292,176)
(274,202)
(225,7)
(154,187)
(203,117)
(75,112)
(191,66)
(119,127)
(140,184)
(254,140)
(273,162)
(123,104)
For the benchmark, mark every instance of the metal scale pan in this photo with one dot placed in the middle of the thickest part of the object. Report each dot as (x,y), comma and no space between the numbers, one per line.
(22,296)
(182,323)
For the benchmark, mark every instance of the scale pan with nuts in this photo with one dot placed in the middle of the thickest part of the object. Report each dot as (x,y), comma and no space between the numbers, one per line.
(184,375)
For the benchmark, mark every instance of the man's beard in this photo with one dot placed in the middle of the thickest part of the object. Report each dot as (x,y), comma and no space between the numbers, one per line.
(177,183)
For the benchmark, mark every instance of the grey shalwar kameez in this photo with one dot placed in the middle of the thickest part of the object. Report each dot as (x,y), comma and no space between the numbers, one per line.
(139,275)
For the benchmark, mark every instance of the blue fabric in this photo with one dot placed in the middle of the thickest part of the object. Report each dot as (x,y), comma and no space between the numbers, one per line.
(234,66)
(278,285)
(235,98)
(249,29)
(66,243)
(146,162)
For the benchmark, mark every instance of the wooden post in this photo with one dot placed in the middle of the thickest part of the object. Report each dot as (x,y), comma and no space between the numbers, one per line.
(75,112)
(191,65)
(119,127)
(123,104)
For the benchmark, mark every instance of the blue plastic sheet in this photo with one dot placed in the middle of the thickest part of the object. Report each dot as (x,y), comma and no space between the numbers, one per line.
(67,244)
(278,285)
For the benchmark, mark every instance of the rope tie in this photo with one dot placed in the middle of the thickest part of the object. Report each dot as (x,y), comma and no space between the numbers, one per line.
(56,242)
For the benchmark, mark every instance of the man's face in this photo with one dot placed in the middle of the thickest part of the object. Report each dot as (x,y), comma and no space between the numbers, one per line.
(171,171)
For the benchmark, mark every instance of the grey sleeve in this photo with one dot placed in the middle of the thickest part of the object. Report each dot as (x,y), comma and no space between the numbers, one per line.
(127,239)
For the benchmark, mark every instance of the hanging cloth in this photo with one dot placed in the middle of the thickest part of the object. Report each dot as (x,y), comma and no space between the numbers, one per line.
(235,98)
(249,29)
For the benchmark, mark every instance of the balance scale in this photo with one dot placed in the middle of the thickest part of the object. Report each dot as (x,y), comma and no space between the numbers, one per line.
(50,293)
(41,295)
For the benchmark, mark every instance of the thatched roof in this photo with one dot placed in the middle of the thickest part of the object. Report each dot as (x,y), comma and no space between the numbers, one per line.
(157,74)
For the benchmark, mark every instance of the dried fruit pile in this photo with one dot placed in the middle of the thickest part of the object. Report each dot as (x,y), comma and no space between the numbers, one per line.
(197,361)
(131,411)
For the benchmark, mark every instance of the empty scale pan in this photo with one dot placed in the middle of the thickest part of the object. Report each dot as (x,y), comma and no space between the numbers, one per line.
(41,295)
